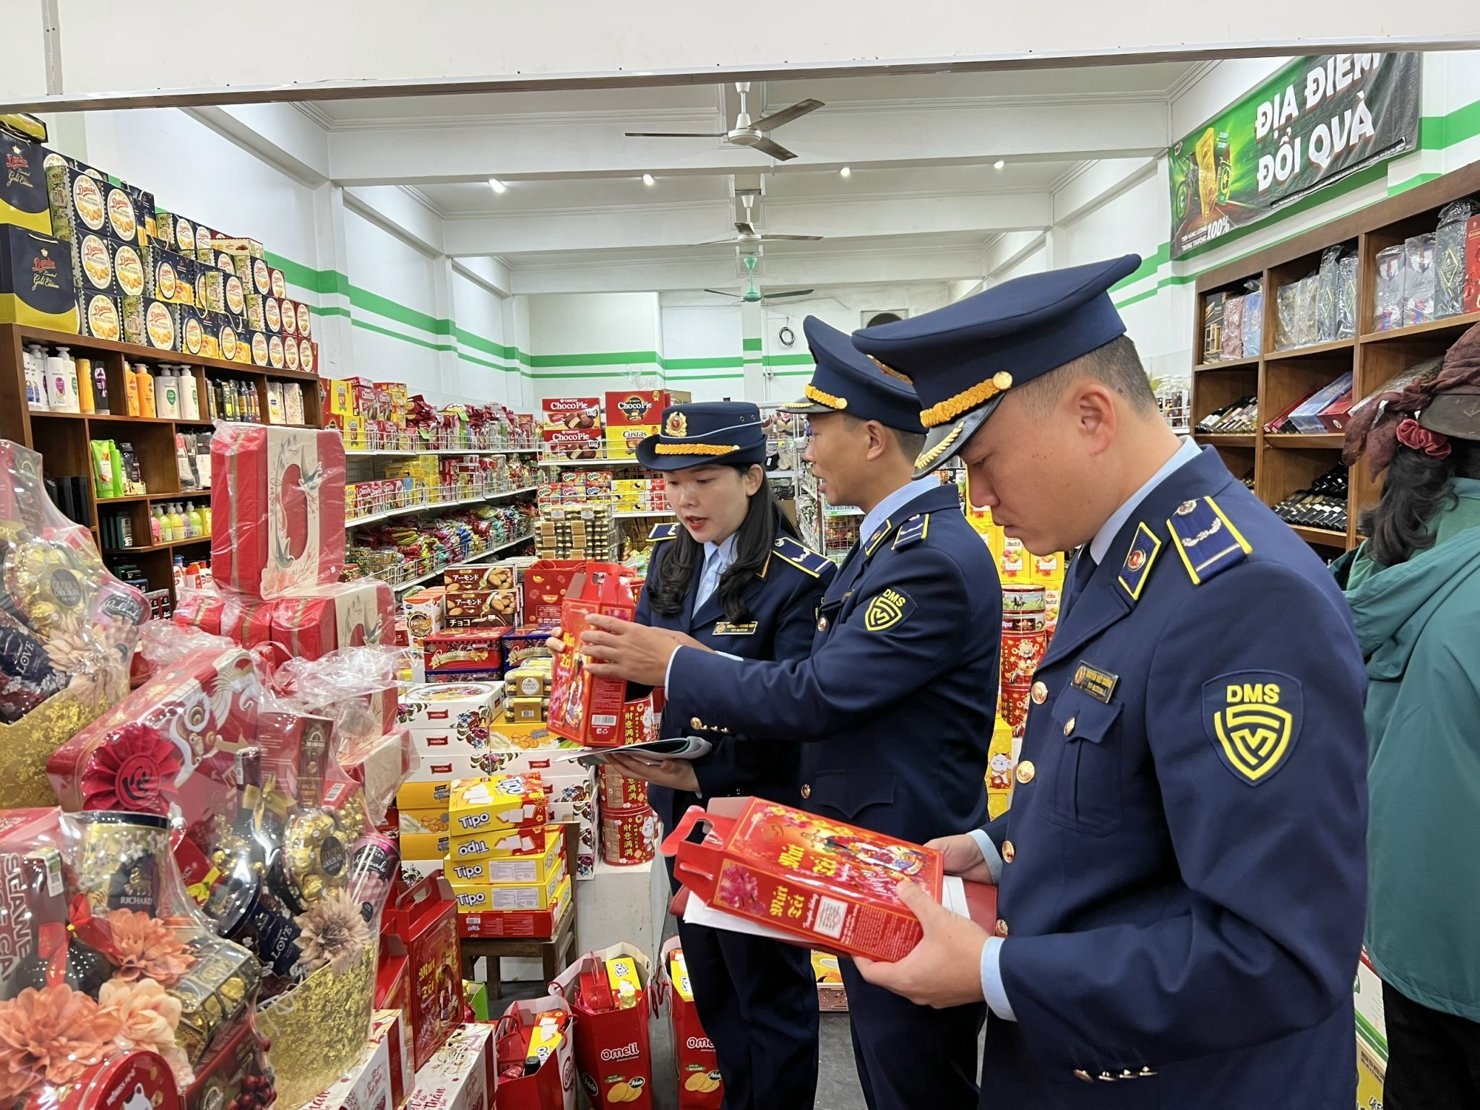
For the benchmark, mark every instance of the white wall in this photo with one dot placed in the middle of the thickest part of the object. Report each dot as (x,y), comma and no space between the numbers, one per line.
(565,327)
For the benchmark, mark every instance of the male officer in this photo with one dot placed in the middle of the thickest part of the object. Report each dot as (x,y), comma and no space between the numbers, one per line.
(1182,870)
(895,704)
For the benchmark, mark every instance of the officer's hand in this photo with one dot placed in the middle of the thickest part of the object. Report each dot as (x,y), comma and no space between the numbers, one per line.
(963,857)
(944,969)
(555,642)
(676,774)
(621,649)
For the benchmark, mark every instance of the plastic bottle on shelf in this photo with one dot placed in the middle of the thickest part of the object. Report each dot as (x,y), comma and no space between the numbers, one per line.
(228,402)
(166,392)
(102,404)
(194,522)
(146,390)
(189,394)
(156,527)
(205,516)
(85,386)
(130,391)
(192,576)
(163,517)
(177,523)
(254,403)
(179,569)
(34,358)
(61,382)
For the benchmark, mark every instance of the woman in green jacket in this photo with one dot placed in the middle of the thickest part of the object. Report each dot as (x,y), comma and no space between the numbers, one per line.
(1414,589)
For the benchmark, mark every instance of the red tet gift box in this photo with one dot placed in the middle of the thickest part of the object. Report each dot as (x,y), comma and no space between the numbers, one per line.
(421,925)
(585,708)
(826,884)
(536,1063)
(610,998)
(545,585)
(313,622)
(154,738)
(278,508)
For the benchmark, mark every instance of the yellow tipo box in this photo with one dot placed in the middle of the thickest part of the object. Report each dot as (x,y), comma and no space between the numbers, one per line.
(477,897)
(494,804)
(429,820)
(424,846)
(424,795)
(505,868)
(531,841)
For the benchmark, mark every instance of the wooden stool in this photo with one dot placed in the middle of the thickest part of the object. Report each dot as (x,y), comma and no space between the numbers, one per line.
(555,953)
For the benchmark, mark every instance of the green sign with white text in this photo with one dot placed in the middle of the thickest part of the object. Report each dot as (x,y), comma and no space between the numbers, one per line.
(1312,123)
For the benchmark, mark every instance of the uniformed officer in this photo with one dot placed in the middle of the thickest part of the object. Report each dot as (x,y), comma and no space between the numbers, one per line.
(893,709)
(1181,874)
(732,576)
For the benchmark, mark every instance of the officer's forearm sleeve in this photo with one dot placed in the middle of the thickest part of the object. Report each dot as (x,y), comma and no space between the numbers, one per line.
(989,853)
(992,988)
(851,675)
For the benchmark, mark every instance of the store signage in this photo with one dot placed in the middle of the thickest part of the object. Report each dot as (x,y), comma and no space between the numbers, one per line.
(1312,123)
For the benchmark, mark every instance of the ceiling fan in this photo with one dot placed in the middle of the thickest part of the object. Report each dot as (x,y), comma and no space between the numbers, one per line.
(754,294)
(747,234)
(745,132)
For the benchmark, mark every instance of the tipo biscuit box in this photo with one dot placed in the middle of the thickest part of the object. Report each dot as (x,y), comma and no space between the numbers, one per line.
(36,283)
(826,884)
(529,840)
(492,805)
(519,923)
(501,897)
(504,867)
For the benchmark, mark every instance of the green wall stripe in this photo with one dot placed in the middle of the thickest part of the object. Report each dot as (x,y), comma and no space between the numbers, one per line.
(751,343)
(701,364)
(599,358)
(1148,267)
(1412,182)
(787,360)
(682,377)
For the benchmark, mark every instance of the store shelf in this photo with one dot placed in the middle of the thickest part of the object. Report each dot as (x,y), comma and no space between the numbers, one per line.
(492,551)
(1227,364)
(433,506)
(547,461)
(1305,441)
(1225,439)
(406,454)
(1434,329)
(169,546)
(844,510)
(132,498)
(1313,351)
(642,514)
(1323,537)
(87,346)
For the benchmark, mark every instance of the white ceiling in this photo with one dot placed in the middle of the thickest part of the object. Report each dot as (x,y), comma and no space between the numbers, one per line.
(921,151)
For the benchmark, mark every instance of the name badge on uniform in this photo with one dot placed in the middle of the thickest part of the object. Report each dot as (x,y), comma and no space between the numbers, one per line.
(725,628)
(1098,684)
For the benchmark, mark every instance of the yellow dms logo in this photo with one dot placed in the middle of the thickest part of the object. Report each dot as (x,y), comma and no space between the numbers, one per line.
(1254,693)
(886,610)
(1253,729)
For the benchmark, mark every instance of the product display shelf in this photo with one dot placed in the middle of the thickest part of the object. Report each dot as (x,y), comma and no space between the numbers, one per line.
(62,438)
(433,506)
(402,587)
(558,461)
(642,514)
(408,453)
(1283,463)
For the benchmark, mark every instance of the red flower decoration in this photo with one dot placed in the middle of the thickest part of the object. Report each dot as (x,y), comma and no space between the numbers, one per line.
(132,771)
(1414,435)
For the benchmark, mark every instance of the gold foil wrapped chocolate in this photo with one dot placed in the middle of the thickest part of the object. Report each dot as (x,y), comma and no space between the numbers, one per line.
(315,858)
(46,586)
(215,993)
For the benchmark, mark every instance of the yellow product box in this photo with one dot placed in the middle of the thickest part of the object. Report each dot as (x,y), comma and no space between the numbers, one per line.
(493,804)
(424,846)
(625,979)
(524,711)
(532,840)
(525,736)
(621,443)
(476,897)
(354,433)
(424,795)
(504,868)
(341,397)
(432,820)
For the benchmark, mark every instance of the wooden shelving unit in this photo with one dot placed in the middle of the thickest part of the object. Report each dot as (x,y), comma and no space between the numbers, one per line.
(1281,464)
(62,438)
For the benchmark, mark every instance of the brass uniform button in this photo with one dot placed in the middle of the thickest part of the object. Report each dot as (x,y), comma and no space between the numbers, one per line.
(1008,851)
(821,624)
(1039,693)
(694,722)
(1107,1077)
(1083,1076)
(1026,771)
(1001,927)
(806,790)
(1069,726)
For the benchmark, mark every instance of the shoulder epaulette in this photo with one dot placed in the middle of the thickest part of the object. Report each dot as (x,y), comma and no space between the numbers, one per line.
(801,556)
(912,531)
(1206,539)
(663,532)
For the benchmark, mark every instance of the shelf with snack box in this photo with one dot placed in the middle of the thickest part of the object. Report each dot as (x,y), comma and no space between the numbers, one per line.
(1289,341)
(490,553)
(432,506)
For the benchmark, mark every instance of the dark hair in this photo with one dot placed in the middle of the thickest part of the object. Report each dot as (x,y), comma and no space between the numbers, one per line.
(1116,364)
(683,557)
(1417,489)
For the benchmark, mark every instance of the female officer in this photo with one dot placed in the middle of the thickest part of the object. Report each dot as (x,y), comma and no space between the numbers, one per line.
(731,576)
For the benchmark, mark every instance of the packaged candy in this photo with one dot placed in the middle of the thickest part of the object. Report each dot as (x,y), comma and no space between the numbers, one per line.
(1449,257)
(1419,280)
(1387,312)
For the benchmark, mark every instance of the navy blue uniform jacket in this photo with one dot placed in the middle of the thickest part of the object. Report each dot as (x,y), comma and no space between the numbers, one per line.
(898,697)
(1184,899)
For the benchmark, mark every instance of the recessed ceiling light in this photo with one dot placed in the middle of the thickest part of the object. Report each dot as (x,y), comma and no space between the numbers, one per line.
(846,171)
(648,179)
(999,164)
(497,186)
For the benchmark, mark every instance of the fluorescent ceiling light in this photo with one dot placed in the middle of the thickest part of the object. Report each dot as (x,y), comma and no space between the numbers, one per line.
(846,171)
(999,164)
(647,179)
(497,186)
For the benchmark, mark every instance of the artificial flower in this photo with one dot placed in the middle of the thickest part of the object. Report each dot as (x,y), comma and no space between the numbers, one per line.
(132,771)
(146,948)
(149,1017)
(50,1036)
(334,933)
(1414,435)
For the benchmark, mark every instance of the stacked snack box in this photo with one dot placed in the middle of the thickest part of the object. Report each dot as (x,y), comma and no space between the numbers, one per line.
(631,416)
